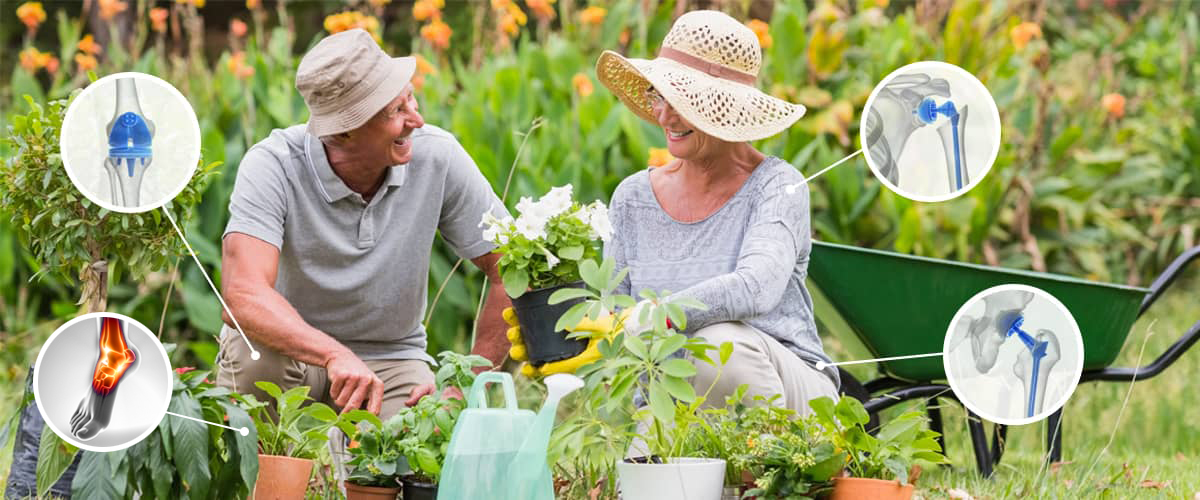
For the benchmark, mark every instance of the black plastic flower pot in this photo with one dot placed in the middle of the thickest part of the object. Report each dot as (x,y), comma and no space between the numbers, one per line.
(544,344)
(415,489)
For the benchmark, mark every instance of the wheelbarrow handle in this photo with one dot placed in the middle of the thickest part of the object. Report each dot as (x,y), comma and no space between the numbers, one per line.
(1168,276)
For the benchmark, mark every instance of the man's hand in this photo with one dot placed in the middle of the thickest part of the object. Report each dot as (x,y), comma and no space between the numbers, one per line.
(598,329)
(423,390)
(352,383)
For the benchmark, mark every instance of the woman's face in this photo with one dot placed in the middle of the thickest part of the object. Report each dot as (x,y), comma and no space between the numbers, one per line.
(683,140)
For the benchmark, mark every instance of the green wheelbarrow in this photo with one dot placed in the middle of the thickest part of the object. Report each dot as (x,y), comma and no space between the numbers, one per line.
(870,289)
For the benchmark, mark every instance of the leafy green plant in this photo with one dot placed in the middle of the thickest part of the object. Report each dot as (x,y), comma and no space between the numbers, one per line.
(644,354)
(545,244)
(375,459)
(295,429)
(181,458)
(902,441)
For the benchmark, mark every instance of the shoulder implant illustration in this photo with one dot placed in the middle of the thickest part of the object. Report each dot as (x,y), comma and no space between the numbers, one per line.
(904,105)
(130,135)
(117,359)
(1004,319)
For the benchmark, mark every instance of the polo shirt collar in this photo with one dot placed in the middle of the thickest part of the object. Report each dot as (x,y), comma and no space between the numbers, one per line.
(332,187)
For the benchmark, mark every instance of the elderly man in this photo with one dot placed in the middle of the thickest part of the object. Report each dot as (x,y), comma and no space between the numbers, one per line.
(326,255)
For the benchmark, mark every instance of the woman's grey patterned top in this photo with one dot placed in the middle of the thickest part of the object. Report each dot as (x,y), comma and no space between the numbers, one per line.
(747,261)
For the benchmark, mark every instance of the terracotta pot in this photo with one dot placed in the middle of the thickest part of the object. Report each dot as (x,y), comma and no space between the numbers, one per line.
(362,492)
(853,488)
(281,478)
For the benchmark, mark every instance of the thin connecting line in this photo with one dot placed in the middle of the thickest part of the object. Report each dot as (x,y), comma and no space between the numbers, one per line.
(821,365)
(240,430)
(253,353)
(791,188)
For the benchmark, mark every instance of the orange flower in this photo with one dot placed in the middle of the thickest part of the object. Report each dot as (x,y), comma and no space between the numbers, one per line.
(424,10)
(33,59)
(379,3)
(337,23)
(253,4)
(541,8)
(623,39)
(31,14)
(52,65)
(500,4)
(762,31)
(593,15)
(158,19)
(424,67)
(437,33)
(198,3)
(1113,103)
(86,62)
(1022,33)
(89,46)
(583,84)
(110,8)
(238,66)
(508,25)
(238,28)
(659,157)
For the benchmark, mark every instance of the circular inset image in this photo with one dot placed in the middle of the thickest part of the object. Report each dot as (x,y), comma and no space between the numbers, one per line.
(102,382)
(130,142)
(931,131)
(1013,354)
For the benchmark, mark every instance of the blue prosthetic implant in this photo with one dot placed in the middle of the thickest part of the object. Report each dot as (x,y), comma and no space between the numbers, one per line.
(890,119)
(1033,366)
(951,134)
(130,135)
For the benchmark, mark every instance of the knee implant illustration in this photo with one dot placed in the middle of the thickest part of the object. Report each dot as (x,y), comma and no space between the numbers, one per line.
(903,106)
(1004,319)
(130,135)
(117,359)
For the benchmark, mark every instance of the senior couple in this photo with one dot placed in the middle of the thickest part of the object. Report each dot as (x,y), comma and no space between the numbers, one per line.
(326,255)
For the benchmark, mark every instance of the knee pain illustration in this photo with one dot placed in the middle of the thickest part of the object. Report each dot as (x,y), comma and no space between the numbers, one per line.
(905,105)
(130,135)
(116,360)
(1004,319)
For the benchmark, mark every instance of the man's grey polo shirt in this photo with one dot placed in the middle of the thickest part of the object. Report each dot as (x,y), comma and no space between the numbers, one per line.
(357,270)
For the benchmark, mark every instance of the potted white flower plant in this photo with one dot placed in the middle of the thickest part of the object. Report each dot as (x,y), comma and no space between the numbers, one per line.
(542,249)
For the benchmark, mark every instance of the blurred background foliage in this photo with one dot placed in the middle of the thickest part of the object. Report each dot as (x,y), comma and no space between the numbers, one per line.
(1097,175)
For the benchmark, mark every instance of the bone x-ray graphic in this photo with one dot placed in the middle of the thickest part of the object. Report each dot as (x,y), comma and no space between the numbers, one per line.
(907,103)
(1004,319)
(130,135)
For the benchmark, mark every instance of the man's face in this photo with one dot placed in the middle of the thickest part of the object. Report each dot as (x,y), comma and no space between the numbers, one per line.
(387,135)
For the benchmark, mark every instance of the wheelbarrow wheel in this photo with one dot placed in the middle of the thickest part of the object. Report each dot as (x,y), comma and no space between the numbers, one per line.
(855,389)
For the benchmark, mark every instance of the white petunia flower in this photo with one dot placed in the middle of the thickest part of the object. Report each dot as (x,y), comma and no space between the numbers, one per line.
(551,260)
(531,227)
(525,206)
(598,219)
(557,201)
(495,229)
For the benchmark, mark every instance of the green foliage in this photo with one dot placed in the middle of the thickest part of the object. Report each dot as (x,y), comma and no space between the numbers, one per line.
(181,458)
(901,443)
(375,460)
(63,230)
(297,427)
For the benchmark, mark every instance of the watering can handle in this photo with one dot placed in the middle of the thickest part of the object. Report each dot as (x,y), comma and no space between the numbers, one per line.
(478,397)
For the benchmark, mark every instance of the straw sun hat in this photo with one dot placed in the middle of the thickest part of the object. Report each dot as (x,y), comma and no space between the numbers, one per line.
(706,69)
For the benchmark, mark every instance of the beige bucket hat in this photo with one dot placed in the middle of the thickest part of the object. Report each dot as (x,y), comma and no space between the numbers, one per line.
(346,79)
(706,69)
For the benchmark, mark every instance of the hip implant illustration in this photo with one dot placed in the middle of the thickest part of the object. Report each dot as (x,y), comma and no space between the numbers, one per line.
(130,135)
(907,103)
(117,359)
(1004,319)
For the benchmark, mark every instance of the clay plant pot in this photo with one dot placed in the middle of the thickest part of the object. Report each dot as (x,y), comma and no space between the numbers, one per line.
(677,479)
(543,344)
(852,488)
(415,489)
(362,492)
(282,478)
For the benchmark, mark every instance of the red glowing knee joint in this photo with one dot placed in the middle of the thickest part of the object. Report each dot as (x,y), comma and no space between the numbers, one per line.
(115,356)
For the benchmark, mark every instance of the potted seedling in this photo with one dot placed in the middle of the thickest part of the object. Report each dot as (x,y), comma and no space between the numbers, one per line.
(374,464)
(291,438)
(425,429)
(878,466)
(542,249)
(644,355)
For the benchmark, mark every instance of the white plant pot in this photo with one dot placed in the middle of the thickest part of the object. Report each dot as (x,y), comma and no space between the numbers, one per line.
(678,479)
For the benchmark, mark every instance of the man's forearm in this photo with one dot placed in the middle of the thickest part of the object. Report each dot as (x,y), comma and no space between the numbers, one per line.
(491,341)
(269,319)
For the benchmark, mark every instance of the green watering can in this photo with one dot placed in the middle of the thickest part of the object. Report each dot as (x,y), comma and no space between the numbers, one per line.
(500,453)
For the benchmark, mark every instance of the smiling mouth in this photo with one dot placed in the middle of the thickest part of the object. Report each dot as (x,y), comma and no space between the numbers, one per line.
(403,141)
(678,135)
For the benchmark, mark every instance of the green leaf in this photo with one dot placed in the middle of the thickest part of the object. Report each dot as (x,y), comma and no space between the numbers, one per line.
(666,347)
(571,252)
(661,405)
(94,478)
(572,317)
(590,272)
(678,367)
(725,352)
(54,456)
(851,412)
(636,346)
(679,388)
(516,282)
(566,294)
(247,446)
(191,444)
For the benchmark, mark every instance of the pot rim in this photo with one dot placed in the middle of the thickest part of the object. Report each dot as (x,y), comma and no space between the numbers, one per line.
(351,484)
(852,479)
(285,458)
(677,462)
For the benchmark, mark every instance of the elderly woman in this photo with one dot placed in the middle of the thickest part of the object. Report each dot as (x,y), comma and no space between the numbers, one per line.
(718,223)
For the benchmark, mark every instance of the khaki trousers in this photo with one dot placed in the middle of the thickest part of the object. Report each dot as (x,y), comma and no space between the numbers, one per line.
(237,372)
(764,365)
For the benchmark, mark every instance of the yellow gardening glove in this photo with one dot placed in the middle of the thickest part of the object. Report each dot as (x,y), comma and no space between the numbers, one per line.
(597,330)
